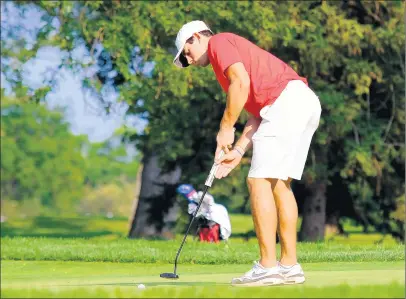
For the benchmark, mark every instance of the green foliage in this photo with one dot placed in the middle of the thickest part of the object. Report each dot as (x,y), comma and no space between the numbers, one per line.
(40,158)
(46,169)
(111,199)
(107,163)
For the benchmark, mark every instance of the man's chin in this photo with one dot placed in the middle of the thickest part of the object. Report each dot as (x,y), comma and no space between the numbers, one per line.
(202,64)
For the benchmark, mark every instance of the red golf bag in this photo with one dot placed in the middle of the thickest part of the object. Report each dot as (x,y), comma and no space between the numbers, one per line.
(209,232)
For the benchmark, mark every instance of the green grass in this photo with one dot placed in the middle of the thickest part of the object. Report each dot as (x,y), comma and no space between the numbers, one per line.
(145,251)
(91,257)
(109,229)
(78,279)
(54,227)
(393,290)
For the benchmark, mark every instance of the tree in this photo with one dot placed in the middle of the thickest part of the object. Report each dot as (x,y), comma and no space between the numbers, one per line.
(351,51)
(109,162)
(41,159)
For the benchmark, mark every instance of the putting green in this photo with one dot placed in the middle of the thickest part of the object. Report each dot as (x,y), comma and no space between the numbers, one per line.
(87,279)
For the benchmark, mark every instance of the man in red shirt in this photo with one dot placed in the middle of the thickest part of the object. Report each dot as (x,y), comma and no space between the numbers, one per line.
(284,114)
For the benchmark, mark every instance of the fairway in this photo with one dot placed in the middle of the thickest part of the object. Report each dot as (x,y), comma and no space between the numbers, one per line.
(100,268)
(103,279)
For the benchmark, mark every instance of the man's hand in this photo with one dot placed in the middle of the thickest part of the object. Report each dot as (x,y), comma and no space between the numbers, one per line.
(227,163)
(225,140)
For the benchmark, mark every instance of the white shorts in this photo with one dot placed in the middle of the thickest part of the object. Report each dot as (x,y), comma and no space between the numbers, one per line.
(282,141)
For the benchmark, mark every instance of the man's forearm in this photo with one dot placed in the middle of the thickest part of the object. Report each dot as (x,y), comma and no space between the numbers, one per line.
(236,98)
(250,128)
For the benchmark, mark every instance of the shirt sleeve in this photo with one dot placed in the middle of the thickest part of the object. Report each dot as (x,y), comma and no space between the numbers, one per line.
(223,52)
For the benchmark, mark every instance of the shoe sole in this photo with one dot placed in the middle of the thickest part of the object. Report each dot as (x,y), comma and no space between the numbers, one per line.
(260,283)
(297,280)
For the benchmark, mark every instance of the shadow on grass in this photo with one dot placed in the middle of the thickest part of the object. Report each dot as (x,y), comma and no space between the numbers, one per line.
(56,235)
(249,235)
(65,223)
(52,227)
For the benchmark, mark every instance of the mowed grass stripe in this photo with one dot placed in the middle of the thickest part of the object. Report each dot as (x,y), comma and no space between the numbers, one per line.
(146,251)
(78,279)
(27,271)
(24,273)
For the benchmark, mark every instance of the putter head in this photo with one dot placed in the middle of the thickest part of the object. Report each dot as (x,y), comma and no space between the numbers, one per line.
(169,275)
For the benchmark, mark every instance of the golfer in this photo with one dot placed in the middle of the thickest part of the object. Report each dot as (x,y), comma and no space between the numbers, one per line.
(284,114)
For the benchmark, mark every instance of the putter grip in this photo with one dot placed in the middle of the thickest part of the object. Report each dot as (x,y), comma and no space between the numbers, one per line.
(213,170)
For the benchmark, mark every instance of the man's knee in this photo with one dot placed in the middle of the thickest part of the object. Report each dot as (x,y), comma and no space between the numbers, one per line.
(254,183)
(280,186)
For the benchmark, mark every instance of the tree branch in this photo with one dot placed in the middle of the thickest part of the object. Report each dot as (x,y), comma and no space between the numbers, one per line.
(361,8)
(368,108)
(313,155)
(401,63)
(392,116)
(383,103)
(356,134)
(395,144)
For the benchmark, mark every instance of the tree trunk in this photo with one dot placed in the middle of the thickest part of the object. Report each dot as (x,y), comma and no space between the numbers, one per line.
(136,197)
(156,211)
(314,214)
(333,225)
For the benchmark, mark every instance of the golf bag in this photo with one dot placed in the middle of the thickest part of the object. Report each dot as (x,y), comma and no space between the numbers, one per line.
(213,223)
(209,233)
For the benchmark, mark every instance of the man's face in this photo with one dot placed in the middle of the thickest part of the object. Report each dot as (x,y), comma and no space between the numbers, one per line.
(196,53)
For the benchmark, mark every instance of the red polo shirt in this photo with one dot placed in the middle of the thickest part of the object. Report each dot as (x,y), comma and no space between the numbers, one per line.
(268,74)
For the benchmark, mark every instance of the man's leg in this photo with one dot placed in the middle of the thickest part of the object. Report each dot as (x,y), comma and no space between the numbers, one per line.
(266,272)
(287,212)
(265,219)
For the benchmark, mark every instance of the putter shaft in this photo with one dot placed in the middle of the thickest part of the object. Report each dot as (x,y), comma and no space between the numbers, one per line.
(190,224)
(207,184)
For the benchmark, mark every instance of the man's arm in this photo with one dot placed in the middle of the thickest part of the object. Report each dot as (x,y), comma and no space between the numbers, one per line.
(245,141)
(237,94)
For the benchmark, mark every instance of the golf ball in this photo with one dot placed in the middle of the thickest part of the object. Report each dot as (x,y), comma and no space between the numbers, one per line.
(141,286)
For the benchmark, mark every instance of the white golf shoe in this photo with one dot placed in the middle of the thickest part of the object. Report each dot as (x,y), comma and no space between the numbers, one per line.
(292,274)
(259,276)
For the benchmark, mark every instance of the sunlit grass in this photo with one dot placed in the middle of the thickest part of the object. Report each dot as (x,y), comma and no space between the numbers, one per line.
(95,279)
(161,251)
(116,228)
(91,257)
(80,227)
(393,290)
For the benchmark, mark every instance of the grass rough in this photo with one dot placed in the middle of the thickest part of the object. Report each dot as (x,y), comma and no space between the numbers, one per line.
(147,251)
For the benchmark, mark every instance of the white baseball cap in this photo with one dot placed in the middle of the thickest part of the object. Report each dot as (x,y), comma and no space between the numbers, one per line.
(184,34)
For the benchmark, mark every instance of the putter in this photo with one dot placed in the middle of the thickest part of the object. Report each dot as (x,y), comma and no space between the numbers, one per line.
(207,184)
